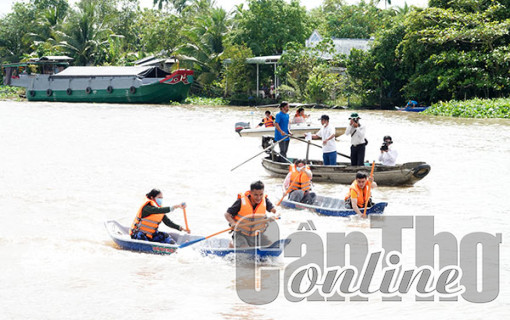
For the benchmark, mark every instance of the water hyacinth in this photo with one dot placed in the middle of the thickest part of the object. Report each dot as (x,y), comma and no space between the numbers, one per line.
(475,108)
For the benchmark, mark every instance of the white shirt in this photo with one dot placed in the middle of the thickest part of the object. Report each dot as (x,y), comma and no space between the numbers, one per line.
(325,133)
(389,158)
(359,134)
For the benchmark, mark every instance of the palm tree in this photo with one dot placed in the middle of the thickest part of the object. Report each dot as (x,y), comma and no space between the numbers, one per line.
(205,43)
(86,38)
(179,5)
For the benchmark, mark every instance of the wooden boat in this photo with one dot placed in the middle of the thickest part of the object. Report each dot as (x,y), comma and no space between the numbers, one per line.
(57,82)
(343,173)
(332,207)
(219,247)
(297,128)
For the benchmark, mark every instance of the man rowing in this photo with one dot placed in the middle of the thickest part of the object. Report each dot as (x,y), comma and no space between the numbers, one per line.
(249,207)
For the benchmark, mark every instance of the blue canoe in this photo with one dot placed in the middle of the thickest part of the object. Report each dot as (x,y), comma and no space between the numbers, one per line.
(415,109)
(332,207)
(218,247)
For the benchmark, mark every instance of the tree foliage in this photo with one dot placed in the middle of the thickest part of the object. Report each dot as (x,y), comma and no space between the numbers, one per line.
(266,26)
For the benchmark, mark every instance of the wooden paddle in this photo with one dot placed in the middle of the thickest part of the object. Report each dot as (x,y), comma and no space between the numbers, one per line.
(271,146)
(368,192)
(189,243)
(313,144)
(288,189)
(185,217)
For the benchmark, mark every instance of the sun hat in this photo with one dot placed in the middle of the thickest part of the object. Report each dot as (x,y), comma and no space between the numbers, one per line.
(354,115)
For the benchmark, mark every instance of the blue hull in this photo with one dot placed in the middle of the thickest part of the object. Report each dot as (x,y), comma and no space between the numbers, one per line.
(416,109)
(336,211)
(217,247)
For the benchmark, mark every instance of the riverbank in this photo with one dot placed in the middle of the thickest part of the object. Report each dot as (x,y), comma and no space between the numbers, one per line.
(11,93)
(475,108)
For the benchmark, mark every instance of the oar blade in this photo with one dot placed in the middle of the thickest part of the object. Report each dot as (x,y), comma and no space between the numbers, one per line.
(189,243)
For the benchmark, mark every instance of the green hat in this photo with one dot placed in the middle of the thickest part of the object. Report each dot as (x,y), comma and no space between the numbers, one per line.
(354,115)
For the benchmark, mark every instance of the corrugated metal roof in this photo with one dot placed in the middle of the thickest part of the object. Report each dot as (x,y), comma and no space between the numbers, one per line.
(57,58)
(101,71)
(151,62)
(263,60)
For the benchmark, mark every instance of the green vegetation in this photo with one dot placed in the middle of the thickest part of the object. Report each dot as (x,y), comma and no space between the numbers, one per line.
(452,50)
(201,101)
(11,93)
(475,108)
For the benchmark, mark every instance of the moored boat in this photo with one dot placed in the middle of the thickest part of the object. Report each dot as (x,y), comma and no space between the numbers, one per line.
(219,247)
(296,128)
(49,79)
(329,206)
(343,173)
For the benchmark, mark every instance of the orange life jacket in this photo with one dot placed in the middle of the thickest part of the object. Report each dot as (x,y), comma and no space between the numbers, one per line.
(248,214)
(299,179)
(361,194)
(268,122)
(148,225)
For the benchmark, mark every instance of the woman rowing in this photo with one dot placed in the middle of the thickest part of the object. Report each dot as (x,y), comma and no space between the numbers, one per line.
(150,215)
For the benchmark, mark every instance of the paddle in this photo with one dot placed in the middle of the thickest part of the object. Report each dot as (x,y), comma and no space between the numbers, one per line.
(368,193)
(313,144)
(271,146)
(189,243)
(288,189)
(185,217)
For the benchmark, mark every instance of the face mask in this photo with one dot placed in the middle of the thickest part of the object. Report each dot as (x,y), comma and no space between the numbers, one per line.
(299,168)
(159,201)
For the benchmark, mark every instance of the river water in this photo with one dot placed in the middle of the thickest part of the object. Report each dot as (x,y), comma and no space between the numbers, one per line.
(66,168)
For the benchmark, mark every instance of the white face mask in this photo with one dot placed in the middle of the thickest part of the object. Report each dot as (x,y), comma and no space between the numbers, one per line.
(299,168)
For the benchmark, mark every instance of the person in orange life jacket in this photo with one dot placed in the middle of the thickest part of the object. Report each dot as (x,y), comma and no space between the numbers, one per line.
(268,120)
(250,206)
(300,116)
(299,179)
(150,215)
(358,191)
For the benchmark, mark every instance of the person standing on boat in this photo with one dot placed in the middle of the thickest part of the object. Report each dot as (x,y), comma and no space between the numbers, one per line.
(268,120)
(388,155)
(250,206)
(327,134)
(150,215)
(358,191)
(358,141)
(299,182)
(282,129)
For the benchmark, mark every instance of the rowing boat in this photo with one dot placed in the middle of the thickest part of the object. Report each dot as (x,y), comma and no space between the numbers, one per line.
(329,206)
(399,175)
(218,247)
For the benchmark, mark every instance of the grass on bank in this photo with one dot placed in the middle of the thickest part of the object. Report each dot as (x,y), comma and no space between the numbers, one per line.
(475,108)
(11,93)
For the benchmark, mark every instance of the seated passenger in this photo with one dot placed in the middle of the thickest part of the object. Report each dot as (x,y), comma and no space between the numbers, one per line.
(267,121)
(300,116)
(299,181)
(150,215)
